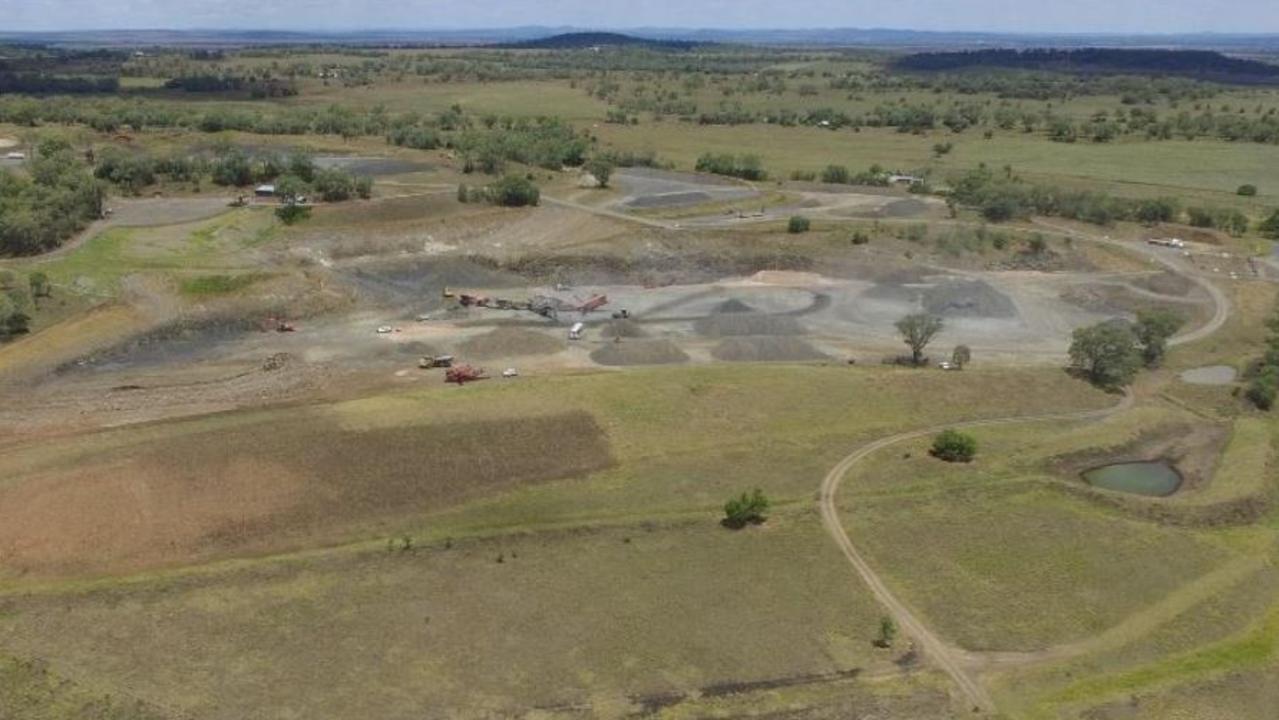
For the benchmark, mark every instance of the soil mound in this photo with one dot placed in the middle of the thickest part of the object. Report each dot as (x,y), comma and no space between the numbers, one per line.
(766,349)
(510,342)
(640,352)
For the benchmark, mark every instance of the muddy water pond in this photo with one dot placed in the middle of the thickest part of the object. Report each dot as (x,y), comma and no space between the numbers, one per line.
(1152,478)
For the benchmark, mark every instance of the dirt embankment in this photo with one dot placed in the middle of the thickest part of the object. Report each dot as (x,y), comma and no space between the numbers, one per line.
(1194,449)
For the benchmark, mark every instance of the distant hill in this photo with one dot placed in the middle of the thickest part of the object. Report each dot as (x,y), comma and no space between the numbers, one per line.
(583,40)
(1201,64)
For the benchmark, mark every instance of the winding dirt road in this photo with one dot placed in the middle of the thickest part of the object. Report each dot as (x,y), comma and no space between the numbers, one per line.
(947,657)
(1220,302)
(956,662)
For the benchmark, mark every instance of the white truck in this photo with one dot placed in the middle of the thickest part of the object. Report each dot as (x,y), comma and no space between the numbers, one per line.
(575,332)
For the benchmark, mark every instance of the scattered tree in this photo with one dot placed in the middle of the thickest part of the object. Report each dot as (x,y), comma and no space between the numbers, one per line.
(39,283)
(887,632)
(954,446)
(291,188)
(1152,330)
(748,509)
(1263,388)
(917,331)
(1270,226)
(961,356)
(601,169)
(1106,353)
(835,175)
(290,213)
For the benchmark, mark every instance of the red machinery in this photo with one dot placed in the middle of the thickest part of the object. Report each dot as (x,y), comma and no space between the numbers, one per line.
(278,325)
(463,374)
(591,304)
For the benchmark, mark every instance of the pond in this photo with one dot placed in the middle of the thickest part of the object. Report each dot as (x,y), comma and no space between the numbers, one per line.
(1154,478)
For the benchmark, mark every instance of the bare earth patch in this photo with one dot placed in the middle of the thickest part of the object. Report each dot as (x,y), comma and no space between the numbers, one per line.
(262,487)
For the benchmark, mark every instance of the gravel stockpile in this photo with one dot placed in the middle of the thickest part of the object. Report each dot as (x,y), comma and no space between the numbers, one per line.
(747,323)
(766,349)
(967,298)
(509,342)
(640,352)
(623,328)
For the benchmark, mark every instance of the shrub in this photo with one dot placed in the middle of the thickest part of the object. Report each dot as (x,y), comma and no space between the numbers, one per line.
(601,169)
(797,224)
(1270,226)
(290,213)
(954,446)
(835,175)
(748,509)
(860,238)
(1247,190)
(746,167)
(1262,389)
(514,191)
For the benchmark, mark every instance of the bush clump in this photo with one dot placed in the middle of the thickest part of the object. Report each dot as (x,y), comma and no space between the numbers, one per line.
(798,224)
(954,446)
(748,509)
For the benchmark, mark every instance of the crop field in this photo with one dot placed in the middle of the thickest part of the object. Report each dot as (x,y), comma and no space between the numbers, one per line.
(683,463)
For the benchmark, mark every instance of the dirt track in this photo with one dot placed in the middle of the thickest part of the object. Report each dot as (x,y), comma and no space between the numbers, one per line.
(956,662)
(948,657)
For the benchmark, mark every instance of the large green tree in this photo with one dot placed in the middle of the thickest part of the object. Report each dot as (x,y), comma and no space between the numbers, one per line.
(1106,353)
(1153,329)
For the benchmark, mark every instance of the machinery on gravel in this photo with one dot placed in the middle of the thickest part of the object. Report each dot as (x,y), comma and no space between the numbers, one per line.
(542,305)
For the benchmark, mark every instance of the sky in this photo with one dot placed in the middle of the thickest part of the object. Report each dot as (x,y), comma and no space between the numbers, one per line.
(1061,16)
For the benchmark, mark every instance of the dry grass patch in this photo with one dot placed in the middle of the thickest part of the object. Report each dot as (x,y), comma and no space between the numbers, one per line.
(265,486)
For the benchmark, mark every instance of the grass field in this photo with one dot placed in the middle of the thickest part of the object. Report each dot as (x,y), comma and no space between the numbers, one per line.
(1022,569)
(1201,170)
(671,591)
(487,626)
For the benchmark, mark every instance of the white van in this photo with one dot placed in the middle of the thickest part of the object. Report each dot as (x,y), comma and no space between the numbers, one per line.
(575,332)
